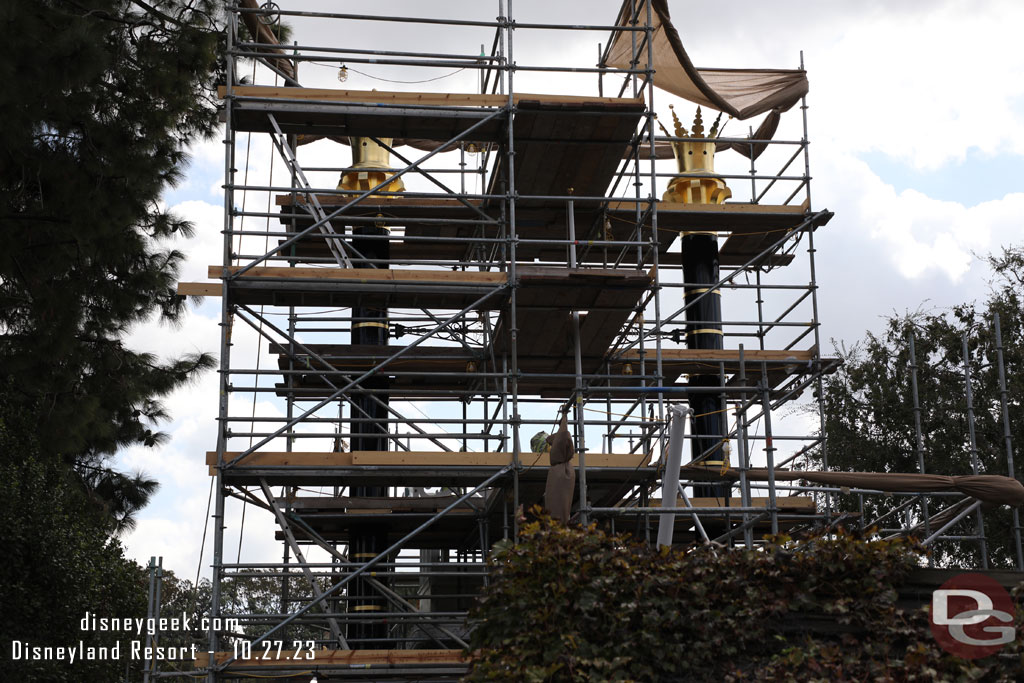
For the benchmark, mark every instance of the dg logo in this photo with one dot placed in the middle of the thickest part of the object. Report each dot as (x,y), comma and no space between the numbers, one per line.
(972,616)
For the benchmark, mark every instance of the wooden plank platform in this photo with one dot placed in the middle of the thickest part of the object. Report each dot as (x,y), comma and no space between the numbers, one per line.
(731,217)
(545,324)
(678,362)
(568,148)
(745,246)
(420,459)
(783,366)
(546,333)
(361,275)
(434,371)
(407,98)
(424,371)
(745,226)
(545,298)
(609,478)
(377,287)
(456,530)
(333,518)
(465,526)
(448,367)
(429,116)
(199,289)
(304,504)
(539,287)
(318,111)
(563,144)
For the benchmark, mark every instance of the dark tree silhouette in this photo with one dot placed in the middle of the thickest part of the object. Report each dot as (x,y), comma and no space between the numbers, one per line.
(101,99)
(869,403)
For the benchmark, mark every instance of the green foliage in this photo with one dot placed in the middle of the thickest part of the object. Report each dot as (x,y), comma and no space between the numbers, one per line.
(181,596)
(571,604)
(898,647)
(869,403)
(59,563)
(258,593)
(120,496)
(59,559)
(101,98)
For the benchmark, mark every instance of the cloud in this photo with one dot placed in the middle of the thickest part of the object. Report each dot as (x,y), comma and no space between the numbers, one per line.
(177,534)
(911,231)
(927,89)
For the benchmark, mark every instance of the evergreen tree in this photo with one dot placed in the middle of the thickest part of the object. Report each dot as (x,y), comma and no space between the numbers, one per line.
(100,100)
(869,403)
(59,563)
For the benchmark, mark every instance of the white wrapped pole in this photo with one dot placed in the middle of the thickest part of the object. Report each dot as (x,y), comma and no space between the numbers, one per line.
(670,478)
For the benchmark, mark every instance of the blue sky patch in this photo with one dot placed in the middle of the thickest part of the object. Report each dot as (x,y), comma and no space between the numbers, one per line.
(979,178)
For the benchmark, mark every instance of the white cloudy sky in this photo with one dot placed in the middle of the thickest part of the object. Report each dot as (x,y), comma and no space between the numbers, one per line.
(917,143)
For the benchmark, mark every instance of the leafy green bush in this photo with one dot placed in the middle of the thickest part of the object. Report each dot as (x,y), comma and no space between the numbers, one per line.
(58,564)
(572,604)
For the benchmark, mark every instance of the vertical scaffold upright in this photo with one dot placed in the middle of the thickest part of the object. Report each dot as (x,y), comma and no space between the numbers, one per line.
(432,330)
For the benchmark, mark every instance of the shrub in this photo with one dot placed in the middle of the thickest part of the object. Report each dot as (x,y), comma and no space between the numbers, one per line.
(577,604)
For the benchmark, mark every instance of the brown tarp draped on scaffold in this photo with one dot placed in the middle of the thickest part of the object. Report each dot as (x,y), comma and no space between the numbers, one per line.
(742,93)
(991,489)
(561,481)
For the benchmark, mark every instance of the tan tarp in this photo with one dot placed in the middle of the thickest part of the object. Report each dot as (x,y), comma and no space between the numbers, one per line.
(742,93)
(561,481)
(558,491)
(561,443)
(991,489)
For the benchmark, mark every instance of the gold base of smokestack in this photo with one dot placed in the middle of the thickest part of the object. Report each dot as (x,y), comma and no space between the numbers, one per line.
(684,190)
(368,160)
(361,181)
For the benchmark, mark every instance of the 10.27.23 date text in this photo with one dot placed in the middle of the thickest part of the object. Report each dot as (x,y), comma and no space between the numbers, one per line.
(274,649)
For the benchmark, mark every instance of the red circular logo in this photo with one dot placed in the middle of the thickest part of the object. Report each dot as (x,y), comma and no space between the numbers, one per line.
(972,616)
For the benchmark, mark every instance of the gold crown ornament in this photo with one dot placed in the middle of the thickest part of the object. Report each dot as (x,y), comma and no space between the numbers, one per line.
(695,159)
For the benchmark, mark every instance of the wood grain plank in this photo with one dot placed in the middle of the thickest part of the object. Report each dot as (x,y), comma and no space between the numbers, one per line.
(413,98)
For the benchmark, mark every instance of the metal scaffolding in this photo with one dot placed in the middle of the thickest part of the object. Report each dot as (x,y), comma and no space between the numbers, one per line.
(559,282)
